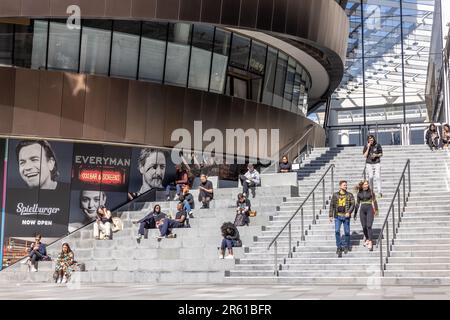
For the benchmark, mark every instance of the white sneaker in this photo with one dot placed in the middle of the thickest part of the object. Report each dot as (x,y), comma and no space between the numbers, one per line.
(59,280)
(33,269)
(220,256)
(64,280)
(230,256)
(139,237)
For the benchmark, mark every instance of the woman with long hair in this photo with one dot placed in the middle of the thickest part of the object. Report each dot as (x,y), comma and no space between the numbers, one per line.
(367,206)
(432,137)
(64,264)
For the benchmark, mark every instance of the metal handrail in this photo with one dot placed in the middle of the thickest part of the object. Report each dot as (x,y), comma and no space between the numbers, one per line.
(290,148)
(397,196)
(300,210)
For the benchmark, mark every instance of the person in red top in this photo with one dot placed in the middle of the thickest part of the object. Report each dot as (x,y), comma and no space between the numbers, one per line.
(182,179)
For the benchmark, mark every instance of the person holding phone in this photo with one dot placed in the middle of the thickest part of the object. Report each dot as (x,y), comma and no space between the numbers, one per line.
(373,153)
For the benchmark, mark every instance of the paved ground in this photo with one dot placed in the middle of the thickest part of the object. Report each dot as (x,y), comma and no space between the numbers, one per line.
(216,292)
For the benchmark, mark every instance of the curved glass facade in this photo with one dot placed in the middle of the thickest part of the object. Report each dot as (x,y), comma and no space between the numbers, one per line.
(196,56)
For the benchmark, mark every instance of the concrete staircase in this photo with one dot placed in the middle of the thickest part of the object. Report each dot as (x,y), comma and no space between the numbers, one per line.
(421,253)
(190,258)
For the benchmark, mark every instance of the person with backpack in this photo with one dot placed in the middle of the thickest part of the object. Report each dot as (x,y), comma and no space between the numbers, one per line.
(373,153)
(367,205)
(242,211)
(341,208)
(231,239)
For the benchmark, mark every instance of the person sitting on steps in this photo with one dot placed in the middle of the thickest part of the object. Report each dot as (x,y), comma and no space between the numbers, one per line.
(285,166)
(103,224)
(187,199)
(37,252)
(250,180)
(231,239)
(64,264)
(166,225)
(149,221)
(182,179)
(242,211)
(206,191)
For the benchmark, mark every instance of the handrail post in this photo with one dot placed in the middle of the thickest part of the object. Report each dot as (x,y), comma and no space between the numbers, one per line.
(303,226)
(332,180)
(323,194)
(276,259)
(404,191)
(409,178)
(393,221)
(388,253)
(290,241)
(314,207)
(381,255)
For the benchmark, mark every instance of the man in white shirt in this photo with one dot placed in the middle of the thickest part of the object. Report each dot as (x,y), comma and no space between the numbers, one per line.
(250,180)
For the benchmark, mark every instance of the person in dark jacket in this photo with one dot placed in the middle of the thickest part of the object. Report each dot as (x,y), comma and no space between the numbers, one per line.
(230,239)
(166,225)
(182,179)
(285,166)
(341,208)
(36,252)
(187,199)
(149,221)
(367,205)
(432,137)
(243,207)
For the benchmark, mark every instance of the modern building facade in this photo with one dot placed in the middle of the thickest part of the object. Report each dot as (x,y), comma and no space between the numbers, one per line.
(91,93)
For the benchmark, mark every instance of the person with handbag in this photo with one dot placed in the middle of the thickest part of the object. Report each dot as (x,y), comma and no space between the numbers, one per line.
(103,223)
(242,211)
(64,264)
(367,206)
(231,239)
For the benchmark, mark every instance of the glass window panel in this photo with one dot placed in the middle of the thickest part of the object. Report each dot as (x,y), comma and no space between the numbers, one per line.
(202,43)
(6,43)
(200,69)
(240,51)
(23,45)
(95,47)
(220,60)
(269,79)
(296,91)
(153,51)
(256,89)
(63,47)
(125,49)
(178,50)
(39,53)
(258,57)
(280,80)
(289,86)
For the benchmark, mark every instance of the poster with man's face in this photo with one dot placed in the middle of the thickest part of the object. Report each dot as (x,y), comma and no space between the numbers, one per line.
(151,168)
(38,191)
(100,177)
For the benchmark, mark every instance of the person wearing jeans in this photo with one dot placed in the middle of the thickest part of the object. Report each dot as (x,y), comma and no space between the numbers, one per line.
(231,238)
(149,221)
(166,225)
(182,179)
(341,208)
(250,180)
(37,252)
(373,153)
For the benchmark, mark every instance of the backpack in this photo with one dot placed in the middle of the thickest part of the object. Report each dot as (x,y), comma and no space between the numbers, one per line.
(240,220)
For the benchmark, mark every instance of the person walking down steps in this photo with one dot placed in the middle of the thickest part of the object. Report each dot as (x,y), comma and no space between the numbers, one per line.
(341,209)
(367,205)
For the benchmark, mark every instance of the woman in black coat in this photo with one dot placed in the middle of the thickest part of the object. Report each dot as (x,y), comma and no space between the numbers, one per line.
(230,239)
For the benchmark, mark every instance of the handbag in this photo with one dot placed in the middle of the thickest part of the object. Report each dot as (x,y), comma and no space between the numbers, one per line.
(252,213)
(117,225)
